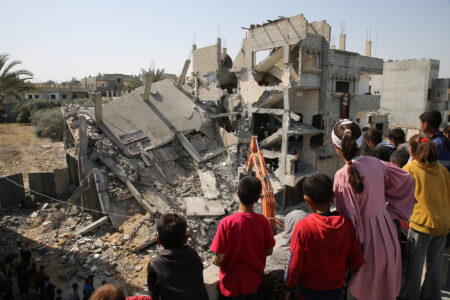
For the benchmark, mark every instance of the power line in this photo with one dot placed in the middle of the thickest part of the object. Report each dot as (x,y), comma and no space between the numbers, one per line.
(65,202)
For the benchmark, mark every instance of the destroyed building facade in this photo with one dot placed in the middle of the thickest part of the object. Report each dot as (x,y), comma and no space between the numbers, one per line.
(291,98)
(125,154)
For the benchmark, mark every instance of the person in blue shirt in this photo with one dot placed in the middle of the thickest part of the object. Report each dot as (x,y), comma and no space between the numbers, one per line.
(88,288)
(429,123)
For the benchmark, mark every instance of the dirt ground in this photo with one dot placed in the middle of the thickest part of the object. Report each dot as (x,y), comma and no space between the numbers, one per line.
(21,151)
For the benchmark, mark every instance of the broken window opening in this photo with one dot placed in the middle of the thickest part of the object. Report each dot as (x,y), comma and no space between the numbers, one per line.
(64,96)
(379,127)
(342,87)
(265,125)
(30,96)
(316,141)
(317,121)
(294,195)
(311,60)
(52,97)
(36,96)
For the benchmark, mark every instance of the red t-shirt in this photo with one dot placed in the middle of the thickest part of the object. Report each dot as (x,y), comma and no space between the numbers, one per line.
(244,239)
(323,246)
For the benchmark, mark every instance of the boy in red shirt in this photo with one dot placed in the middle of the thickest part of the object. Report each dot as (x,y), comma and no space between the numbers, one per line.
(323,246)
(242,242)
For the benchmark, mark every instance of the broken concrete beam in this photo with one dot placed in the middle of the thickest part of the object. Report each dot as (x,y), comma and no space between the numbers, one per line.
(92,226)
(228,138)
(208,183)
(213,154)
(112,165)
(145,244)
(183,73)
(98,107)
(215,116)
(157,200)
(114,139)
(189,148)
(105,203)
(148,86)
(82,133)
(274,111)
(198,206)
(138,197)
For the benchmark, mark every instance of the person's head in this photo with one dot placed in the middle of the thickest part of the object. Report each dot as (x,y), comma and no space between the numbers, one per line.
(399,158)
(347,139)
(249,190)
(41,268)
(373,137)
(397,136)
(423,149)
(59,292)
(108,292)
(90,279)
(104,282)
(430,121)
(447,131)
(318,191)
(171,229)
(75,286)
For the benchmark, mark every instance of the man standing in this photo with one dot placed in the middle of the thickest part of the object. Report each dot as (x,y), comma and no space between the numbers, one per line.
(429,123)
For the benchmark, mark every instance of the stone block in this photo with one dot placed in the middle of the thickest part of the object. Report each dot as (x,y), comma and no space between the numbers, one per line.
(43,183)
(62,182)
(11,194)
(208,183)
(198,206)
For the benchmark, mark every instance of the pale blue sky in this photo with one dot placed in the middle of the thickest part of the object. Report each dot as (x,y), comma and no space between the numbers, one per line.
(62,39)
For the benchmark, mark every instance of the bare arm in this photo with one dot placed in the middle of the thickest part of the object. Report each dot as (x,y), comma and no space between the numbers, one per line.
(218,258)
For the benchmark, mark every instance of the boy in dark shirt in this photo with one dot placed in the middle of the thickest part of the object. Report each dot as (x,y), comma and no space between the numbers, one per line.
(177,272)
(242,242)
(323,246)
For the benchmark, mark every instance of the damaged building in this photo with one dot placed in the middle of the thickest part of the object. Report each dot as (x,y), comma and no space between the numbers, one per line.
(291,98)
(122,154)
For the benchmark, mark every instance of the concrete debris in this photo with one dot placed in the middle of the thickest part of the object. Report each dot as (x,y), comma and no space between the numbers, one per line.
(208,183)
(197,206)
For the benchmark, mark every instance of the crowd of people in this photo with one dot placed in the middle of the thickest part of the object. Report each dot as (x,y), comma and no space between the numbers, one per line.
(353,252)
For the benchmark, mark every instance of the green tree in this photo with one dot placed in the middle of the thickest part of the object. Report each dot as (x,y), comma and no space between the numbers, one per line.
(13,82)
(158,75)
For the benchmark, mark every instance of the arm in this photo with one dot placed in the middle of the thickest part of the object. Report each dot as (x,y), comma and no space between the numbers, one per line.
(296,260)
(151,282)
(355,259)
(399,191)
(218,258)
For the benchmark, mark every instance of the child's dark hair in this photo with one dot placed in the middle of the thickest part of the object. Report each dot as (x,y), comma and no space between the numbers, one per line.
(397,135)
(108,292)
(400,157)
(249,190)
(319,188)
(433,117)
(74,285)
(373,135)
(348,133)
(423,149)
(172,230)
(446,129)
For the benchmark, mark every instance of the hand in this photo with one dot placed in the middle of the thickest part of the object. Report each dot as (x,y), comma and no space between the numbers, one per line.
(289,295)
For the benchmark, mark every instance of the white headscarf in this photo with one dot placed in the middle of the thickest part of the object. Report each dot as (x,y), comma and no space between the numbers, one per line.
(337,141)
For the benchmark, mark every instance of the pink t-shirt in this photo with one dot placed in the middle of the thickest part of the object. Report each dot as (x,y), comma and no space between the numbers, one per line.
(244,239)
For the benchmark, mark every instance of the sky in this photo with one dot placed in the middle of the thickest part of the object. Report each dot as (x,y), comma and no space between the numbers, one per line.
(58,40)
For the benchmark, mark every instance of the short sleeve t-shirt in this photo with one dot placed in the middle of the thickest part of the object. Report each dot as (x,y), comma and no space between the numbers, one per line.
(243,238)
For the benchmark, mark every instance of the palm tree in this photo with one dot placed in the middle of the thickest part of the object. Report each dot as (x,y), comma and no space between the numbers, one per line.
(136,82)
(13,82)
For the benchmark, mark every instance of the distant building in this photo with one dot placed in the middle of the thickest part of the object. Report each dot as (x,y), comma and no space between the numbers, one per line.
(411,87)
(113,85)
(63,91)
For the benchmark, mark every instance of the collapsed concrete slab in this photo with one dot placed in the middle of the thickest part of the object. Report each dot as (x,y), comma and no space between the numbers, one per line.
(209,185)
(198,206)
(167,112)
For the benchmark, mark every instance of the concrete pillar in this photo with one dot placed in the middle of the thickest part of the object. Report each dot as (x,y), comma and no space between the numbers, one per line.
(342,38)
(369,48)
(194,47)
(219,54)
(148,86)
(224,50)
(107,93)
(183,73)
(98,108)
